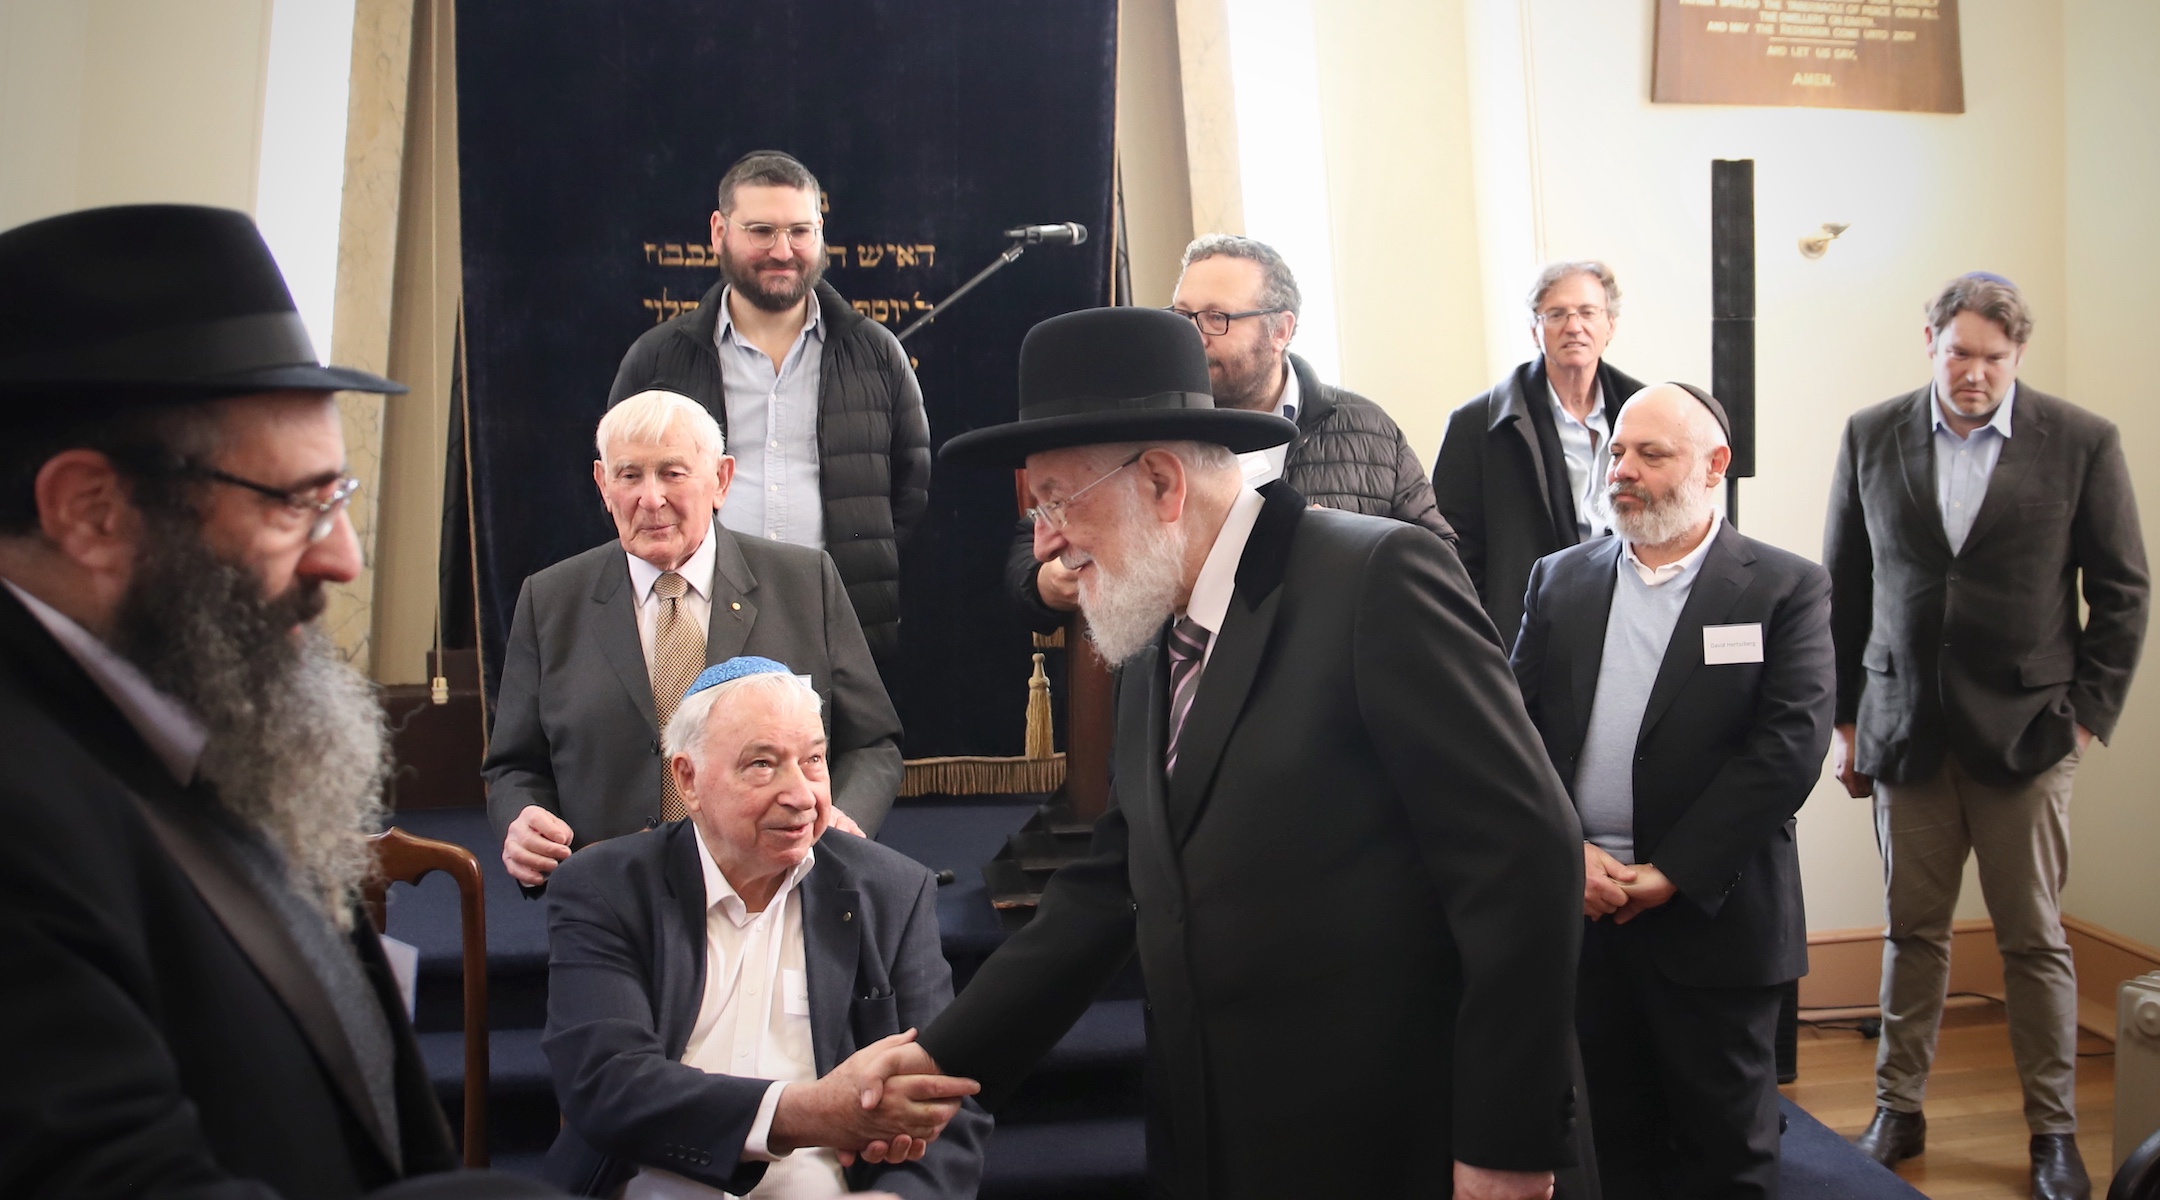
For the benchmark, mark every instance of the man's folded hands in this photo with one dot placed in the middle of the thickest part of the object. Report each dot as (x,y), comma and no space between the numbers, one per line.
(886,1103)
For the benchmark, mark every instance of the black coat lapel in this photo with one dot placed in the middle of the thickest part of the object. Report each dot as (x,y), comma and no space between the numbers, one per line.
(2028,440)
(1578,638)
(1724,578)
(686,885)
(832,952)
(733,614)
(615,627)
(1513,400)
(1143,713)
(1234,661)
(1916,454)
(262,936)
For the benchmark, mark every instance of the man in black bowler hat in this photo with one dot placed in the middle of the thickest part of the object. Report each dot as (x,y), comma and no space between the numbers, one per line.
(1349,872)
(194,1005)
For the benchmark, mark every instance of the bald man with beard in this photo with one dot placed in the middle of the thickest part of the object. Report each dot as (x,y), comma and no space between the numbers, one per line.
(194,1006)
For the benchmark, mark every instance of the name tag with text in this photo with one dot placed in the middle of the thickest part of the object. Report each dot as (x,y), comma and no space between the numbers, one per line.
(1723,644)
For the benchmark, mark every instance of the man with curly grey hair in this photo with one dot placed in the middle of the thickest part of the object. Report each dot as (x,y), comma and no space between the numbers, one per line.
(1522,463)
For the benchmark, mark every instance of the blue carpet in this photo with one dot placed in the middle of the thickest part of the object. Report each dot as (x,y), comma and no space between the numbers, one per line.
(1816,1162)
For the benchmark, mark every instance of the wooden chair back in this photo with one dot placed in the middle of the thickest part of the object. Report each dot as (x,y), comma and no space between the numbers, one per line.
(404,858)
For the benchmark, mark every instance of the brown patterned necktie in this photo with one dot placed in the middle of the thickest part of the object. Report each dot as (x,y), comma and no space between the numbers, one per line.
(678,656)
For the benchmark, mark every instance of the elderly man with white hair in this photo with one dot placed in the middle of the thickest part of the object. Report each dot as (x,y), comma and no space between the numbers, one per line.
(603,645)
(722,994)
(1681,677)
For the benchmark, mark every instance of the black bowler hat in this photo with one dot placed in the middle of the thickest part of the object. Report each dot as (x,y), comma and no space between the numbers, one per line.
(1114,375)
(149,303)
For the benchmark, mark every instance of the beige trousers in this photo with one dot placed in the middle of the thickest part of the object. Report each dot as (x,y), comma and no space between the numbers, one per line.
(2021,836)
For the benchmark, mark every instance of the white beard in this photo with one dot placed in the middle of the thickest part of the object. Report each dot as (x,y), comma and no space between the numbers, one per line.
(1661,518)
(1125,610)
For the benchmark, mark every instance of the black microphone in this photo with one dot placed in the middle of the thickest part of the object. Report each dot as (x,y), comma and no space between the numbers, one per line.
(1071,233)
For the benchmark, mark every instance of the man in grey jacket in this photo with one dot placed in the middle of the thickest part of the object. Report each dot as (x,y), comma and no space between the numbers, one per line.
(1348,453)
(1965,517)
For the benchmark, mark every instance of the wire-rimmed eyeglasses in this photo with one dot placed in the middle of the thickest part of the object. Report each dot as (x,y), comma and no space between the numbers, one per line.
(1557,317)
(765,237)
(1053,511)
(321,510)
(1215,322)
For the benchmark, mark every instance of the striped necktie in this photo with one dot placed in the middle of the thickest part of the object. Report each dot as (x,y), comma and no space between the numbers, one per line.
(1188,650)
(678,656)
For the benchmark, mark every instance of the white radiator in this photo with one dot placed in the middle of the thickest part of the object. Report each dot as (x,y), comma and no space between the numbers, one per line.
(2137,1064)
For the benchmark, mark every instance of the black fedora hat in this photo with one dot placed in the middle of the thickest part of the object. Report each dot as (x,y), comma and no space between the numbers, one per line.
(149,303)
(1114,375)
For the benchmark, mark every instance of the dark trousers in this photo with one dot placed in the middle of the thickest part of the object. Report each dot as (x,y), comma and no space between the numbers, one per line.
(1683,1080)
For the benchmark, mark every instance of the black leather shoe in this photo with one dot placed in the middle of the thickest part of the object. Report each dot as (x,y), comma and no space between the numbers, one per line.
(2058,1171)
(1893,1136)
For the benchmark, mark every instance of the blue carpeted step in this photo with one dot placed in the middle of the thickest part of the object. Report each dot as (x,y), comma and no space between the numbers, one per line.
(1103,1156)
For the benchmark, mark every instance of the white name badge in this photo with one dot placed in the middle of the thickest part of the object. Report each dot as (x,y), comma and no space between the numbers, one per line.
(1731,644)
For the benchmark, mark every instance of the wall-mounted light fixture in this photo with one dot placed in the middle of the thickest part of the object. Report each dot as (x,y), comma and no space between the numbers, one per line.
(1813,247)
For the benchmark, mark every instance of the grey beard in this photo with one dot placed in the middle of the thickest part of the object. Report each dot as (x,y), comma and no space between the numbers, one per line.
(1662,518)
(296,746)
(1125,611)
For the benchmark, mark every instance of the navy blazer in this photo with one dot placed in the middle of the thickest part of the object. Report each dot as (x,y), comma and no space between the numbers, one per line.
(1726,755)
(626,974)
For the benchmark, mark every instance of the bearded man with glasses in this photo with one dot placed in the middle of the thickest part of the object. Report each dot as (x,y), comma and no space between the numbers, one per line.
(818,404)
(1522,463)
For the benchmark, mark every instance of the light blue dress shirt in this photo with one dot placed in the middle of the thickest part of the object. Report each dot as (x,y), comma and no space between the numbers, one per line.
(772,419)
(1963,466)
(1587,449)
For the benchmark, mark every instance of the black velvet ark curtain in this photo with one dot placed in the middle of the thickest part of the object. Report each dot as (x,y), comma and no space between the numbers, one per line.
(591,135)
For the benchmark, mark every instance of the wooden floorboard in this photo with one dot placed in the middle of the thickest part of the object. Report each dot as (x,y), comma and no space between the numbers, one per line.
(1976,1124)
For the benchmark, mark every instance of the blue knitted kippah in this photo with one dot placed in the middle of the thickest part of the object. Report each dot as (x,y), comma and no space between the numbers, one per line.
(735,668)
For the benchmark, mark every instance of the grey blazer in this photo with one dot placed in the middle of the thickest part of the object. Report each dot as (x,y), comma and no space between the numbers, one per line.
(1980,654)
(574,730)
(626,975)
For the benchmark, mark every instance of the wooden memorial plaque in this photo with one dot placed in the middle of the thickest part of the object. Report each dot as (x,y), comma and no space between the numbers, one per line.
(1901,56)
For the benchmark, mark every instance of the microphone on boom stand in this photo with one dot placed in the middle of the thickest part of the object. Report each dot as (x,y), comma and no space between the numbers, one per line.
(1067,233)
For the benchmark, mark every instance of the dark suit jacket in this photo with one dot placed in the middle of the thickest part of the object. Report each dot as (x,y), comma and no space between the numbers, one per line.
(1980,654)
(574,728)
(1348,454)
(162,1032)
(1727,753)
(1502,483)
(1356,907)
(626,973)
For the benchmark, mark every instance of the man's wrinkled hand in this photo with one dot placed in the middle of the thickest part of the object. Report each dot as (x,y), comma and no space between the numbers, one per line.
(1842,752)
(1478,1183)
(2084,738)
(1058,585)
(1602,876)
(885,1103)
(1650,890)
(536,843)
(846,824)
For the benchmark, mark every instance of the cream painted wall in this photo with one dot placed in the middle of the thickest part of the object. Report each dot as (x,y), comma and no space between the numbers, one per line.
(1927,195)
(2111,255)
(127,101)
(1151,147)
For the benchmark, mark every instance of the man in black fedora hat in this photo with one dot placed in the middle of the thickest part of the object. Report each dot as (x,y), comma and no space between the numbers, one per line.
(1347,868)
(193,1005)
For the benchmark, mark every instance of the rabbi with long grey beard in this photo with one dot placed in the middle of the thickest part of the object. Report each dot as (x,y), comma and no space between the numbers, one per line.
(1348,873)
(193,1004)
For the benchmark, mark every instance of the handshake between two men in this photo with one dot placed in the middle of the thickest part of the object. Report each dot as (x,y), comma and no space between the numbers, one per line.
(733,1001)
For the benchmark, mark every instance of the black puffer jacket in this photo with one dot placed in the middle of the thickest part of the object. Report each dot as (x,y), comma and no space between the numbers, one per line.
(873,440)
(1348,454)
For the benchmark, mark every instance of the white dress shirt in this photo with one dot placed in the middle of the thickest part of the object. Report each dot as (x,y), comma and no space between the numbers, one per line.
(1963,466)
(1263,467)
(696,601)
(173,733)
(1212,589)
(753,1022)
(772,420)
(1586,447)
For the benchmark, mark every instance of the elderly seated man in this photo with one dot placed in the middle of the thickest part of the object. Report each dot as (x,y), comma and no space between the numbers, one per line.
(728,995)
